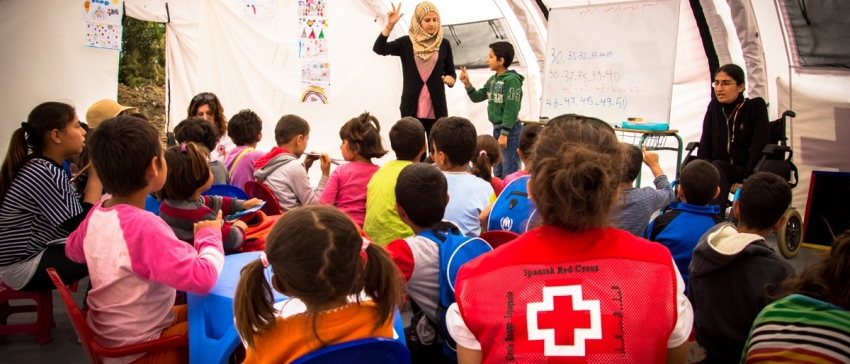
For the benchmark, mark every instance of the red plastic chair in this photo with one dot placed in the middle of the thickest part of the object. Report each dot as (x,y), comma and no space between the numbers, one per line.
(43,308)
(258,190)
(93,350)
(497,238)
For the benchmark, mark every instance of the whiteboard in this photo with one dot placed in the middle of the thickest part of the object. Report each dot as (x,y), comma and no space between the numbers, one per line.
(611,61)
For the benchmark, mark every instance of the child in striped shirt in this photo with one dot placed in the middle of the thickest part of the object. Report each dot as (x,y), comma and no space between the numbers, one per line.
(635,206)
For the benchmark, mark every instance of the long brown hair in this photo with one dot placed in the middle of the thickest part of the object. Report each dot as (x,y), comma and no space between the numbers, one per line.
(363,135)
(188,170)
(486,155)
(576,172)
(828,280)
(314,252)
(209,98)
(30,137)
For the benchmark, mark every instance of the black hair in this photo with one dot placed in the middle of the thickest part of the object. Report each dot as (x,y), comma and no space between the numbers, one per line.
(633,163)
(421,190)
(140,116)
(527,138)
(245,127)
(188,170)
(734,71)
(121,150)
(486,155)
(456,138)
(699,181)
(288,127)
(503,50)
(198,130)
(764,199)
(363,135)
(407,137)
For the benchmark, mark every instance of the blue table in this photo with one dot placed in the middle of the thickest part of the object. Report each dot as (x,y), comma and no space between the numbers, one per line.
(212,333)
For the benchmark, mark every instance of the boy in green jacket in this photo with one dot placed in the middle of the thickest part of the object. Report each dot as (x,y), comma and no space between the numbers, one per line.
(503,92)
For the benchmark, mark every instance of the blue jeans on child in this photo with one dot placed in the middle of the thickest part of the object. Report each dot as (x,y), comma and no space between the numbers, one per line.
(510,157)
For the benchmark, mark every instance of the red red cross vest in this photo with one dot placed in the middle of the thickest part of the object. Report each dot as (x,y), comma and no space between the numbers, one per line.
(553,296)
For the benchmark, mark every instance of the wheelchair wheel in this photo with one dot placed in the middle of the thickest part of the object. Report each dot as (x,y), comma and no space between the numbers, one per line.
(790,238)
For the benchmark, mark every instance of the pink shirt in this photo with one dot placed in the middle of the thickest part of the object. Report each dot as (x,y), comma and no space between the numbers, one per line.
(346,189)
(511,177)
(135,264)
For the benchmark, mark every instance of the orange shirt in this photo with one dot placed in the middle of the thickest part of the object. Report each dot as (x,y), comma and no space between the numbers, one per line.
(293,336)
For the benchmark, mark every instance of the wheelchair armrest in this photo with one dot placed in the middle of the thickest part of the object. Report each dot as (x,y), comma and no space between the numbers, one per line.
(691,146)
(771,148)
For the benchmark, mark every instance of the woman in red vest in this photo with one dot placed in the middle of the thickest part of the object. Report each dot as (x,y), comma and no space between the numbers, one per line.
(573,289)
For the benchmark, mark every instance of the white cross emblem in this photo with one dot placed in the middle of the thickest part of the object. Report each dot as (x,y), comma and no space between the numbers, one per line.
(550,348)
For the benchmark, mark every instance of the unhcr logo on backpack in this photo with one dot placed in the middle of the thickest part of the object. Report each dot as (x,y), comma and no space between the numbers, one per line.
(507,223)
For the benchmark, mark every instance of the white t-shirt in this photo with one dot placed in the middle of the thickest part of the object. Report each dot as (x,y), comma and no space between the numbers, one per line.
(224,146)
(684,323)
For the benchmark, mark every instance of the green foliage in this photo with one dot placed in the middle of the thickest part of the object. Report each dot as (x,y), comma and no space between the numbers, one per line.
(142,53)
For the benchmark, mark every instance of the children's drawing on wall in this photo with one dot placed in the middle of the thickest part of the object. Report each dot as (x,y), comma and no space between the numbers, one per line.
(313,48)
(108,11)
(99,35)
(315,71)
(259,8)
(313,28)
(314,92)
(311,8)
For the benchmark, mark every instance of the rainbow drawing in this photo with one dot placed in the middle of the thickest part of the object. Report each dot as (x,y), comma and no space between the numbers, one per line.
(314,93)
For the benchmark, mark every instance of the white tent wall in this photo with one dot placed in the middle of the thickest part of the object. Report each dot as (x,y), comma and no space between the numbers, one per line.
(43,58)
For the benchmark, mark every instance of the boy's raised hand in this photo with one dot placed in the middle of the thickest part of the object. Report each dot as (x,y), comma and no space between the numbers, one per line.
(254,202)
(217,223)
(464,77)
(394,16)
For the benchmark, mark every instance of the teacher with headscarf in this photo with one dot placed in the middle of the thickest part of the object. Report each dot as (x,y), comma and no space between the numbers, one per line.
(426,64)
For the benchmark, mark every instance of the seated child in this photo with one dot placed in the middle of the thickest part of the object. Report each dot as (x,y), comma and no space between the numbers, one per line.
(203,132)
(634,207)
(421,198)
(182,205)
(734,273)
(514,303)
(245,130)
(503,92)
(681,228)
(289,181)
(526,141)
(811,323)
(346,188)
(135,262)
(348,287)
(382,224)
(485,157)
(454,143)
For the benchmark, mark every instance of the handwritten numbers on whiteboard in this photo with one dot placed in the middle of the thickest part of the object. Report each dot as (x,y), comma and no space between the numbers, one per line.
(557,56)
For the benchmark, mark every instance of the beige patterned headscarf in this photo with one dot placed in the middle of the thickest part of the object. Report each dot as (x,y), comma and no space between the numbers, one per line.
(424,44)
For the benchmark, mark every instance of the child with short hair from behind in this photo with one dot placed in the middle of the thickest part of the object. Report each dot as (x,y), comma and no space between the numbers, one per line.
(280,170)
(203,132)
(182,204)
(738,265)
(454,143)
(681,228)
(382,223)
(485,157)
(346,187)
(526,142)
(509,300)
(503,92)
(320,259)
(135,261)
(635,206)
(245,129)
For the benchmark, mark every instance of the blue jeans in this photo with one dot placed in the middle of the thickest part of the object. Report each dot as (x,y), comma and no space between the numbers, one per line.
(510,157)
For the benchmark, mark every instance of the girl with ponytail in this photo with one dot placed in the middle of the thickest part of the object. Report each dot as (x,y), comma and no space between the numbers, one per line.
(514,302)
(346,187)
(38,205)
(486,156)
(320,259)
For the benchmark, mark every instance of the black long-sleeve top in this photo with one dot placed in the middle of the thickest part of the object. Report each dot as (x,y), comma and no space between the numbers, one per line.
(412,85)
(749,134)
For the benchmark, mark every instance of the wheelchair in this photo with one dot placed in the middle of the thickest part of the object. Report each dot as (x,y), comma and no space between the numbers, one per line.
(776,159)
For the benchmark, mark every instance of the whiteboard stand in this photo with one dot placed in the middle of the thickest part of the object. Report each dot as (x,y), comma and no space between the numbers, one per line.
(653,140)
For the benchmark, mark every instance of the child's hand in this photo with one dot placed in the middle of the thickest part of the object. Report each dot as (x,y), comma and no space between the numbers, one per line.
(254,202)
(309,159)
(394,16)
(464,77)
(217,223)
(326,165)
(240,224)
(650,158)
(503,141)
(449,81)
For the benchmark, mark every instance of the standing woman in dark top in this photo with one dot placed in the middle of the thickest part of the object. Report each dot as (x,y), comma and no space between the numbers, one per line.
(426,64)
(734,131)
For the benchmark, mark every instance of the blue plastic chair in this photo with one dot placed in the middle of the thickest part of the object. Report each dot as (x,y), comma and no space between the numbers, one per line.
(226,191)
(376,350)
(152,205)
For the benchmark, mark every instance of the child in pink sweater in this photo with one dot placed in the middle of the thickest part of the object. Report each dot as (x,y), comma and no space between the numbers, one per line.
(346,188)
(135,261)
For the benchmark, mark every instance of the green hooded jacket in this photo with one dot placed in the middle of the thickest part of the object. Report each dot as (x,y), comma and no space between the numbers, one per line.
(504,96)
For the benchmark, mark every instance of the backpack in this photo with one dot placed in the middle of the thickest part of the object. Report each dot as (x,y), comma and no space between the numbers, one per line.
(512,210)
(455,250)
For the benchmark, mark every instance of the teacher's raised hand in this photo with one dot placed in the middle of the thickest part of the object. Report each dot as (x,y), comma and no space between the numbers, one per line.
(392,18)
